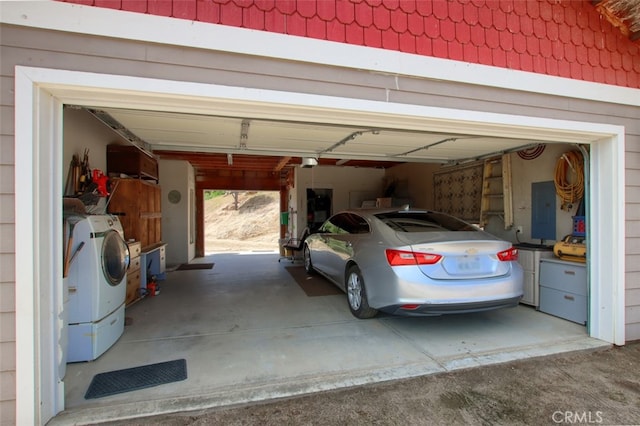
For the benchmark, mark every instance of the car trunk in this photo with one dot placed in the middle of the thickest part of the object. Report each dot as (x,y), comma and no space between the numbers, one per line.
(468,258)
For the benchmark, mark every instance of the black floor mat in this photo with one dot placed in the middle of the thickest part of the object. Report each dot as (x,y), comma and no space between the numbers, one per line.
(130,379)
(312,285)
(191,266)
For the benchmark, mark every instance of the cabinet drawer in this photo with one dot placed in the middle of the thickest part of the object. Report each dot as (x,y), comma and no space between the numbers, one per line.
(134,265)
(563,304)
(133,285)
(134,248)
(564,276)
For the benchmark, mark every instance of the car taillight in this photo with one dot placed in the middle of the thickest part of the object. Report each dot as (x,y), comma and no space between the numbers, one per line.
(402,258)
(508,255)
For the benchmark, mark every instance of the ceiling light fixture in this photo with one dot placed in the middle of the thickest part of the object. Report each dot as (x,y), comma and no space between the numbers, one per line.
(308,162)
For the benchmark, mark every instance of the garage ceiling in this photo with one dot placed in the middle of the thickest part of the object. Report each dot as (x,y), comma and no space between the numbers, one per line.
(213,142)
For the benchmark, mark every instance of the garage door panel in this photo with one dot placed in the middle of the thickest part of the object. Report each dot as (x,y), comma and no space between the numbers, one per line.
(276,136)
(283,136)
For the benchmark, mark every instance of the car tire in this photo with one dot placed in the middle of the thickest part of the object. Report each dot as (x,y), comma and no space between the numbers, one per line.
(357,295)
(306,257)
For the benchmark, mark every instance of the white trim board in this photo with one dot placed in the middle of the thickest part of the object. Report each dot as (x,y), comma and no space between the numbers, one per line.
(53,15)
(40,94)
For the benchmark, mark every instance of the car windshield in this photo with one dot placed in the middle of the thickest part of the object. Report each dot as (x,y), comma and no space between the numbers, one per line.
(423,222)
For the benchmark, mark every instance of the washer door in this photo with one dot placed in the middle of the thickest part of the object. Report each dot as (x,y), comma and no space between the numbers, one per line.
(115,257)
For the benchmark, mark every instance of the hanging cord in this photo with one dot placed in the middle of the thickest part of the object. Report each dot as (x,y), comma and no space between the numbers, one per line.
(569,178)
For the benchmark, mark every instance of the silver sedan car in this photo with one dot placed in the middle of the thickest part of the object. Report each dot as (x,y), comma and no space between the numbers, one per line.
(414,262)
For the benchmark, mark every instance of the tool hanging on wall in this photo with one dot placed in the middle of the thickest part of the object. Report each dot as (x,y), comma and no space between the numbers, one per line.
(570,184)
(85,172)
(532,153)
(73,176)
(101,182)
(569,179)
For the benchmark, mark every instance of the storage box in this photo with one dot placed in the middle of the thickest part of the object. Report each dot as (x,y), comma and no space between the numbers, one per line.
(131,161)
(383,202)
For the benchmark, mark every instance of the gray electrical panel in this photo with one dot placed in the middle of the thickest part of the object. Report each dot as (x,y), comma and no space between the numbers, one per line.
(543,210)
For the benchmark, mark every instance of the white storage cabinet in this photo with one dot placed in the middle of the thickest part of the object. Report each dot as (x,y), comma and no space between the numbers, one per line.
(564,290)
(529,259)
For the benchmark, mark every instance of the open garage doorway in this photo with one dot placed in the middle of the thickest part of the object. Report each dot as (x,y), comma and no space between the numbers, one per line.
(241,221)
(604,152)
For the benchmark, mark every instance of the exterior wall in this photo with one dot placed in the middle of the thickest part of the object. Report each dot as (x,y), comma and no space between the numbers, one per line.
(41,48)
(7,249)
(7,256)
(632,234)
(565,38)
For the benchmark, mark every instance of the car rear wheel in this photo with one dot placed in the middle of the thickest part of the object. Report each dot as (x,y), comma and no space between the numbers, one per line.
(357,295)
(306,256)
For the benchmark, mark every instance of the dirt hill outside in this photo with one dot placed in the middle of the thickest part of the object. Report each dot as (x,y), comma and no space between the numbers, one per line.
(251,224)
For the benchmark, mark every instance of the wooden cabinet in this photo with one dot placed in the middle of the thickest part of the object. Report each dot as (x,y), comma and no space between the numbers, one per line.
(131,161)
(133,273)
(137,203)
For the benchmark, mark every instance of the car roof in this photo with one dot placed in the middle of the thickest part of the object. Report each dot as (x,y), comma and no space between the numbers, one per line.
(374,211)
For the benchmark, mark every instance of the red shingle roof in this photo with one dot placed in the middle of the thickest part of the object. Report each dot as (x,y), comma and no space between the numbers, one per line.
(566,38)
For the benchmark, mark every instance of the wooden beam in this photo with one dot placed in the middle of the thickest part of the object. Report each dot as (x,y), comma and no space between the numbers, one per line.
(239,183)
(283,162)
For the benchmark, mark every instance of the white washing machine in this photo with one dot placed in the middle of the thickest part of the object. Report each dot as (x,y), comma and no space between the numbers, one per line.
(97,284)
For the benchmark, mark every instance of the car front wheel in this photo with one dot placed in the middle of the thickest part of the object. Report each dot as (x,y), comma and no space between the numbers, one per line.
(357,295)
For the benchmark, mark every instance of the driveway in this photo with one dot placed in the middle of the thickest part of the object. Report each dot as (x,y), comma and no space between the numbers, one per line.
(584,387)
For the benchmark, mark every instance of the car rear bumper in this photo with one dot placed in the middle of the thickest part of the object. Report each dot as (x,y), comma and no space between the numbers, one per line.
(407,285)
(431,309)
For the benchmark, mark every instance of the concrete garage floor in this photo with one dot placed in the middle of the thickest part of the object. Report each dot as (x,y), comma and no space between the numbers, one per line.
(249,333)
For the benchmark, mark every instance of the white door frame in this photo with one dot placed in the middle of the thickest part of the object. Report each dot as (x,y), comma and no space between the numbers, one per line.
(41,93)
